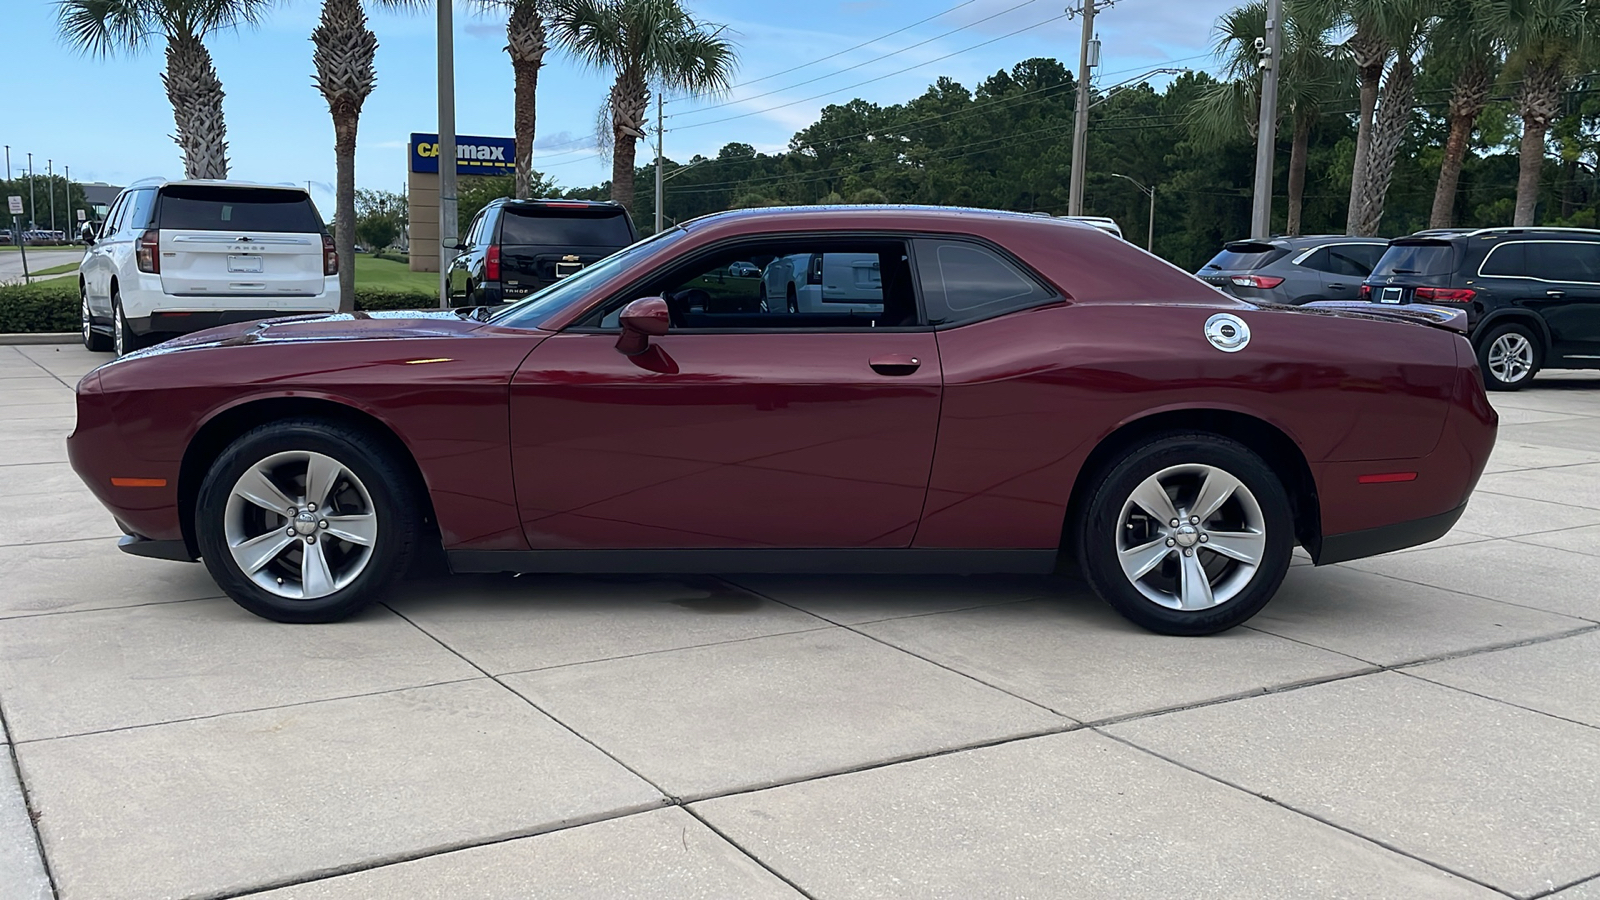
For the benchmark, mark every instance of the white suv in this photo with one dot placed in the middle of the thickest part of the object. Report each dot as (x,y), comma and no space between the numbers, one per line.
(179,256)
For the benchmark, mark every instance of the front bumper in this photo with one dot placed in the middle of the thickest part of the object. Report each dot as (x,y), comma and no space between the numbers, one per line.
(160,322)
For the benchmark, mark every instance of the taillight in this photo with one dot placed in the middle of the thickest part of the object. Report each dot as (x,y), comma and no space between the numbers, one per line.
(1366,292)
(148,253)
(491,263)
(814,275)
(1446,295)
(1264,282)
(330,256)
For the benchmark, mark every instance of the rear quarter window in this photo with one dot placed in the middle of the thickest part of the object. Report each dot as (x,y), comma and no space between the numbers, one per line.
(1417,259)
(1244,257)
(965,282)
(209,208)
(565,228)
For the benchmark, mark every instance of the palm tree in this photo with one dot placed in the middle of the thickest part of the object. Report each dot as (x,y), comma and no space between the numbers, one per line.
(104,27)
(1542,39)
(645,42)
(1459,43)
(345,50)
(1310,74)
(526,45)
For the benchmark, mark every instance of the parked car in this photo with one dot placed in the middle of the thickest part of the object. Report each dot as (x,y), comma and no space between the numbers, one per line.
(1030,392)
(823,283)
(179,256)
(1531,295)
(1294,270)
(516,247)
(1104,223)
(744,269)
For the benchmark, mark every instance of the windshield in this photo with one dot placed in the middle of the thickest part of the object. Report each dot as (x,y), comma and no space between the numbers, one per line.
(532,310)
(1433,258)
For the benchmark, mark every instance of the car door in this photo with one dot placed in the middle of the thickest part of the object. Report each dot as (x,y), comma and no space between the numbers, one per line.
(732,430)
(460,274)
(1567,295)
(97,263)
(1344,267)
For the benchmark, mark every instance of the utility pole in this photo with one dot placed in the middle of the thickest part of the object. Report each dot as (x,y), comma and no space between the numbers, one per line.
(447,148)
(50,185)
(8,162)
(33,221)
(1150,238)
(1088,58)
(1267,128)
(661,201)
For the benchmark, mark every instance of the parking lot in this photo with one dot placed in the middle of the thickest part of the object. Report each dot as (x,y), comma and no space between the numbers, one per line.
(1424,724)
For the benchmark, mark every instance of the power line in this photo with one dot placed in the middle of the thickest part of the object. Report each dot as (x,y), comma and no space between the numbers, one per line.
(834,55)
(857,65)
(851,87)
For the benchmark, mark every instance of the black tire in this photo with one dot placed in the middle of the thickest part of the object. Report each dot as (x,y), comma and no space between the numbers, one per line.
(123,340)
(793,301)
(394,500)
(93,340)
(1510,378)
(1101,525)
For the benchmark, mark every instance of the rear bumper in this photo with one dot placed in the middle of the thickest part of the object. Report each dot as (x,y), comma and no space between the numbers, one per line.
(134,545)
(186,322)
(1338,548)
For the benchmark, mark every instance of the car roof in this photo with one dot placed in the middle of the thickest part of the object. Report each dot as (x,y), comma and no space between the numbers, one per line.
(213,182)
(1445,234)
(877,215)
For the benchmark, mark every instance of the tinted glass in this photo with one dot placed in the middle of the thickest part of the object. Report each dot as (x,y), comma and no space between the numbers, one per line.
(566,228)
(962,282)
(209,208)
(534,309)
(1343,259)
(1367,254)
(1508,260)
(1244,260)
(1417,259)
(140,207)
(1566,261)
(114,215)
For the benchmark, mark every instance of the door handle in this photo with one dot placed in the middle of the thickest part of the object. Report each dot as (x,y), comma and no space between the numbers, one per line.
(1337,287)
(1555,294)
(895,364)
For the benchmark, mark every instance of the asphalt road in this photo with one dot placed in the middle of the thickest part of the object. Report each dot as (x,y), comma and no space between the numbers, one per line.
(11,262)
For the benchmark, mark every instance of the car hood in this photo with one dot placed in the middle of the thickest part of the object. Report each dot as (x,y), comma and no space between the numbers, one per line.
(356,326)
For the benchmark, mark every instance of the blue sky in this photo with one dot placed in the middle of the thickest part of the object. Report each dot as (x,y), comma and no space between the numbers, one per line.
(110,121)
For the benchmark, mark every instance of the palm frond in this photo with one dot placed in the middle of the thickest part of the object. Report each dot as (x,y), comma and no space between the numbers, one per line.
(103,27)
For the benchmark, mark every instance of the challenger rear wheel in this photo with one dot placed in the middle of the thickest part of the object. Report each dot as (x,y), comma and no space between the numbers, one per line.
(306,520)
(1188,534)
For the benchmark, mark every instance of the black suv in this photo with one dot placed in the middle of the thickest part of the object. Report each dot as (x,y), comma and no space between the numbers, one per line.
(516,247)
(1532,295)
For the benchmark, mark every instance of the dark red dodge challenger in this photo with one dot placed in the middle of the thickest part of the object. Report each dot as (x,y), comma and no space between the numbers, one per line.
(947,390)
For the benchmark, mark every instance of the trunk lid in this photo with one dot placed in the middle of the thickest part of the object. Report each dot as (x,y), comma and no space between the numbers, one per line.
(231,241)
(1415,313)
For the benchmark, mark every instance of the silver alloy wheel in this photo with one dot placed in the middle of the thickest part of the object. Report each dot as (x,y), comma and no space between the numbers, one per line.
(300,524)
(88,324)
(118,328)
(1511,357)
(1191,537)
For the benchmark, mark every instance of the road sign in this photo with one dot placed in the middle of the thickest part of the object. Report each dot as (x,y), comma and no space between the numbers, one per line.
(16,204)
(83,216)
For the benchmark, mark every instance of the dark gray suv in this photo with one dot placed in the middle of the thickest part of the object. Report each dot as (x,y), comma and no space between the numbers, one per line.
(1294,270)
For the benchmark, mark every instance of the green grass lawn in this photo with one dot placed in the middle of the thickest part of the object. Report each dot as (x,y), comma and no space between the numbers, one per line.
(32,247)
(62,269)
(388,275)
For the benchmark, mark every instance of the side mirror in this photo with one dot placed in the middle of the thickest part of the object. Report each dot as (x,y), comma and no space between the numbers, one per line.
(452,244)
(641,320)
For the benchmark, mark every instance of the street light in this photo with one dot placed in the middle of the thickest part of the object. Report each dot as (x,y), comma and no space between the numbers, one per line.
(1150,239)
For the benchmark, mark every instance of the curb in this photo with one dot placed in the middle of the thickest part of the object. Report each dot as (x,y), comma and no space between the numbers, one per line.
(53,337)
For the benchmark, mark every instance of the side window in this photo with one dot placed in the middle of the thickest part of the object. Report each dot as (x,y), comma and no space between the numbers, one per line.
(1368,255)
(964,282)
(1343,259)
(475,231)
(141,211)
(1318,261)
(1506,260)
(114,217)
(1563,261)
(793,284)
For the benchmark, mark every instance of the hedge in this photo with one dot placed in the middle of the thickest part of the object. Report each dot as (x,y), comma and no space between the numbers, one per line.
(52,306)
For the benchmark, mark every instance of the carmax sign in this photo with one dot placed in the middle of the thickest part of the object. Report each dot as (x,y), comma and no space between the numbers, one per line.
(474,155)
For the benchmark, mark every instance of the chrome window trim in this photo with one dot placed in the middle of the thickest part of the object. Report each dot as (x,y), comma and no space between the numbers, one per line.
(1492,250)
(1306,253)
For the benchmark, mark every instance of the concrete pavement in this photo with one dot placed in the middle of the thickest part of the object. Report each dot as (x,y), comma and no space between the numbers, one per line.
(1423,724)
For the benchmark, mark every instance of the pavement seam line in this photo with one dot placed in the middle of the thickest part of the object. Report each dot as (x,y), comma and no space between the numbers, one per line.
(969,677)
(27,802)
(1481,596)
(7,617)
(241,712)
(584,662)
(1565,887)
(748,855)
(50,373)
(1307,814)
(1500,700)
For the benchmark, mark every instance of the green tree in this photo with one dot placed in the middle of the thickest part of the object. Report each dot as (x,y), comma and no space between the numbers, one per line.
(1459,43)
(104,27)
(380,217)
(1543,41)
(645,42)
